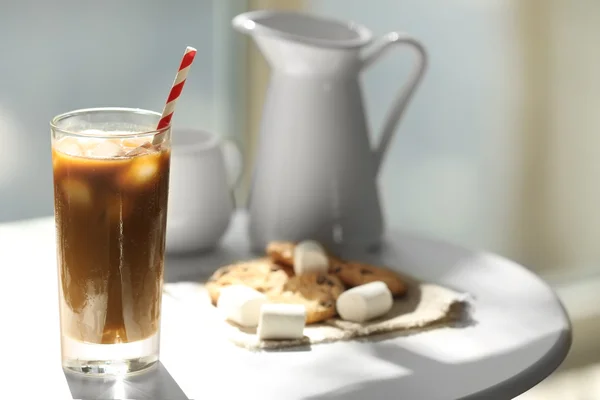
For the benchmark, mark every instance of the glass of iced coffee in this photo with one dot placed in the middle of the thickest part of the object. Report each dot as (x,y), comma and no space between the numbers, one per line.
(111,180)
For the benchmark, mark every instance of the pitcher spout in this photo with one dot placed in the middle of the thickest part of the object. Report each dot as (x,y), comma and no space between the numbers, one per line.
(305,28)
(244,24)
(300,43)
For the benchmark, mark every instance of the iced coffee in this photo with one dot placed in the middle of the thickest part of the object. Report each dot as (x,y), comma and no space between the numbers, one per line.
(111,179)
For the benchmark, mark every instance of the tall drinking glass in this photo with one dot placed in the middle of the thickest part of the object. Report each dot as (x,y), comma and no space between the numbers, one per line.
(111,181)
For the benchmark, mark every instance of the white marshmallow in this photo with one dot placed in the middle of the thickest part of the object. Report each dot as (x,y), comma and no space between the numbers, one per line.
(309,256)
(365,302)
(241,304)
(281,321)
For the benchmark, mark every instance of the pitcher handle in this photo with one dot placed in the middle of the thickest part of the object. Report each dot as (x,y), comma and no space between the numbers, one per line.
(401,101)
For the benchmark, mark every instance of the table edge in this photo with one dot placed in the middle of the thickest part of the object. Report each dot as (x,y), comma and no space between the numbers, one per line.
(535,373)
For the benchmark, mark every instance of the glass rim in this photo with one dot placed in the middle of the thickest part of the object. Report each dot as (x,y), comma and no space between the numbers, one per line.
(97,110)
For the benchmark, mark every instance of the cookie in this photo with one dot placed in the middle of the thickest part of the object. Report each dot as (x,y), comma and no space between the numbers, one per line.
(261,274)
(353,273)
(282,252)
(317,292)
(315,284)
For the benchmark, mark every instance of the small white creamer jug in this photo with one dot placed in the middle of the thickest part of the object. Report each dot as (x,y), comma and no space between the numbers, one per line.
(315,174)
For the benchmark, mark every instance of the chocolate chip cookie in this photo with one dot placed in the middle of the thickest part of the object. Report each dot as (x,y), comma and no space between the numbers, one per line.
(282,252)
(350,273)
(316,291)
(353,273)
(262,274)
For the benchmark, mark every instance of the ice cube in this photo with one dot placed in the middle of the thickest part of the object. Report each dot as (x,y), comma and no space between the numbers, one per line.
(106,149)
(145,148)
(76,191)
(69,145)
(142,170)
(132,143)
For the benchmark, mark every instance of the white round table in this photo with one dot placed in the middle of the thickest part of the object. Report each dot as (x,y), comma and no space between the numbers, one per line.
(518,333)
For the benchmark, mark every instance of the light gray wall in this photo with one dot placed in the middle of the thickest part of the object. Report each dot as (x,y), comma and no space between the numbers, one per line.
(453,168)
(60,55)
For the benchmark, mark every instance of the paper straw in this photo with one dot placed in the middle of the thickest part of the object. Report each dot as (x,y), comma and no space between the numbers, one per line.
(175,93)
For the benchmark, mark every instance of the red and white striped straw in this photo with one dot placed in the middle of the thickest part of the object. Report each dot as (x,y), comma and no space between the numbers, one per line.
(182,72)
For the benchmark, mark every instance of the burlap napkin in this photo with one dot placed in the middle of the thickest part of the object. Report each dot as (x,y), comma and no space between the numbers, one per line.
(425,306)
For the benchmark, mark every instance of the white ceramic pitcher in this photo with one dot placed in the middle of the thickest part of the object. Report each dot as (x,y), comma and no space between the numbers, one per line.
(315,172)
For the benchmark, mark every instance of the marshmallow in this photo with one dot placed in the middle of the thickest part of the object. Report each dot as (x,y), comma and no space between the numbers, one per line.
(281,321)
(241,304)
(365,302)
(309,256)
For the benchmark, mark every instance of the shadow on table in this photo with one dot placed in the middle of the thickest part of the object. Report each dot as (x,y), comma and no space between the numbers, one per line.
(198,266)
(156,383)
(478,370)
(195,267)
